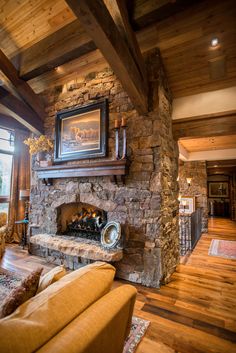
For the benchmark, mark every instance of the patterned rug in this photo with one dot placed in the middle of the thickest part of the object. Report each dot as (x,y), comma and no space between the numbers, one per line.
(138,329)
(223,248)
(8,281)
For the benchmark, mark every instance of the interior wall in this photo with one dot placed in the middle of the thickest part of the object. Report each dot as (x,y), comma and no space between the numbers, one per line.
(198,188)
(213,102)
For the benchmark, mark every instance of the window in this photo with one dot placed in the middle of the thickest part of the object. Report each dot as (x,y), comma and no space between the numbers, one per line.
(6,159)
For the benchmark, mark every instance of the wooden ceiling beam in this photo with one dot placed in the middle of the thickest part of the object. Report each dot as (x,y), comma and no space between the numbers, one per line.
(146,12)
(211,126)
(22,87)
(11,123)
(68,43)
(119,13)
(20,111)
(99,24)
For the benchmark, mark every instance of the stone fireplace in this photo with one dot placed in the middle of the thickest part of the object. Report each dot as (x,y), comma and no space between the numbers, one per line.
(145,205)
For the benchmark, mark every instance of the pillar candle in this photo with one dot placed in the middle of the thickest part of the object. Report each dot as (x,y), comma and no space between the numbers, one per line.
(117,124)
(123,122)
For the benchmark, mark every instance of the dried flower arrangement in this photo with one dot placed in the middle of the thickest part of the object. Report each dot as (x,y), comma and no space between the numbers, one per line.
(39,144)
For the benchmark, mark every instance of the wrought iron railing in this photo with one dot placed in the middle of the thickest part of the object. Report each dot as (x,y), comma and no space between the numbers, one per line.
(190,226)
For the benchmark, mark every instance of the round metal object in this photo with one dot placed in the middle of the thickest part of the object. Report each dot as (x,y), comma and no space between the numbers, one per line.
(111,235)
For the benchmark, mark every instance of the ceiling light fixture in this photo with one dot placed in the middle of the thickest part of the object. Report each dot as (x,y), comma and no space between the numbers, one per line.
(214,42)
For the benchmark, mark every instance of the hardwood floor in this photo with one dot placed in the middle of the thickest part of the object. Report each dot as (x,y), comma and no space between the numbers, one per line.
(194,313)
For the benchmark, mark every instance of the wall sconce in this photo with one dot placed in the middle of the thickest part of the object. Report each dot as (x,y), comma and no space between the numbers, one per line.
(189,181)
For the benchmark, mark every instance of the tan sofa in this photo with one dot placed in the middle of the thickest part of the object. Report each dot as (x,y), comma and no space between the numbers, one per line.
(76,314)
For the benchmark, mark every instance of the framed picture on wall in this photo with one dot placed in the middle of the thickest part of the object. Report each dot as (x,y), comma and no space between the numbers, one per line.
(218,189)
(82,132)
(187,204)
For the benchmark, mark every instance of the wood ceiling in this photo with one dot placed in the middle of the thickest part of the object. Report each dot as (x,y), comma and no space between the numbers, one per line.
(209,143)
(45,43)
(35,32)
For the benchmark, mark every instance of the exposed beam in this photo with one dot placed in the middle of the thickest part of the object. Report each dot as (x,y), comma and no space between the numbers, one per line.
(119,13)
(97,21)
(211,126)
(228,153)
(222,163)
(20,111)
(68,43)
(22,88)
(147,12)
(183,153)
(11,123)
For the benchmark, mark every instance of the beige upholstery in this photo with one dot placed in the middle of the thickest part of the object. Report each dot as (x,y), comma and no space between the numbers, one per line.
(75,314)
(102,328)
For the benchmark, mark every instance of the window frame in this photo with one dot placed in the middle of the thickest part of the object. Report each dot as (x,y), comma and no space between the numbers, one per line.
(7,199)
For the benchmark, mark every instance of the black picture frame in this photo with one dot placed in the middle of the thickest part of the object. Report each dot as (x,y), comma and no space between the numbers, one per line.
(81,133)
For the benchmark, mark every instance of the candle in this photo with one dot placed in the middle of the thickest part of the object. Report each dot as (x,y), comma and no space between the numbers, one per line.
(123,122)
(117,124)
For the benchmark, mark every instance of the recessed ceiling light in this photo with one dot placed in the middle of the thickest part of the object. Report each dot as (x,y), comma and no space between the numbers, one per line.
(214,42)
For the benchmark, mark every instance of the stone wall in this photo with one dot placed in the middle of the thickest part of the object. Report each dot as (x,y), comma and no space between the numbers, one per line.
(198,188)
(146,206)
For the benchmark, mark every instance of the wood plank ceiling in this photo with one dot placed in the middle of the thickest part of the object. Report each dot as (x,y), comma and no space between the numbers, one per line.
(209,143)
(181,29)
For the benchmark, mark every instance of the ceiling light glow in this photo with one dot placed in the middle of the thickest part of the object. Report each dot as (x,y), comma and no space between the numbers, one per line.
(214,42)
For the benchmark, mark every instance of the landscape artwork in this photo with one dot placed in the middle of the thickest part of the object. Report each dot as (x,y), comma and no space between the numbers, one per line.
(80,133)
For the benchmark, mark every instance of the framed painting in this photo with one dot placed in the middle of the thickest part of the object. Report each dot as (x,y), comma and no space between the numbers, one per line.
(82,132)
(218,189)
(187,204)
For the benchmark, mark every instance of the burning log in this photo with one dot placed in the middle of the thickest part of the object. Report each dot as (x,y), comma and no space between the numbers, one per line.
(88,221)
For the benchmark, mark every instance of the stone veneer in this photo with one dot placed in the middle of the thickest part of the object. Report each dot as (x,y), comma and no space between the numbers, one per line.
(198,172)
(146,206)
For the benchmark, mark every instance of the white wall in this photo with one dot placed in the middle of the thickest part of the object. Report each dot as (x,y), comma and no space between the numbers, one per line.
(222,100)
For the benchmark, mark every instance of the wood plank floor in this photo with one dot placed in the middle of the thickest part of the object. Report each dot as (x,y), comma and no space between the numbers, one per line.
(194,313)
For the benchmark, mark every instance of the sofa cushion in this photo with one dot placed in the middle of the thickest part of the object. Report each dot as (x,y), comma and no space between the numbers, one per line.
(21,294)
(50,277)
(35,322)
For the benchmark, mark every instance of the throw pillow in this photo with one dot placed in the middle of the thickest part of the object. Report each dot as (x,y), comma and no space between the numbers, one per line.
(21,294)
(50,277)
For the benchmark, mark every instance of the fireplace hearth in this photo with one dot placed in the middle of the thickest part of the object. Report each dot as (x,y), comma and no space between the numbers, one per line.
(87,223)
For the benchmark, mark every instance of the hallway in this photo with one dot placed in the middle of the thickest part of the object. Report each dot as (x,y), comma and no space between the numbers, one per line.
(196,311)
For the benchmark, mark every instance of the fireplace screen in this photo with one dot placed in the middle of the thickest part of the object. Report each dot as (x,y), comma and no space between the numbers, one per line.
(83,221)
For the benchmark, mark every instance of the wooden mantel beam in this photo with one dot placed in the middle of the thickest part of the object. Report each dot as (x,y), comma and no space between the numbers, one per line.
(11,105)
(22,87)
(99,24)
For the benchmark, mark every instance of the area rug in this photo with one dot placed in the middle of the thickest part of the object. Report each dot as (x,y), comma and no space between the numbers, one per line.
(8,281)
(138,329)
(223,248)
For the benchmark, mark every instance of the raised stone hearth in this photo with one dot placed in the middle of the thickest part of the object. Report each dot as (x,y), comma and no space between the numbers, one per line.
(75,249)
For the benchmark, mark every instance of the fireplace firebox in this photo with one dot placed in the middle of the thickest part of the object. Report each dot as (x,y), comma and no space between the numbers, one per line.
(81,220)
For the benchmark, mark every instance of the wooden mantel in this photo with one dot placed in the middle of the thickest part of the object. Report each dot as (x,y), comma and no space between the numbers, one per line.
(104,168)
